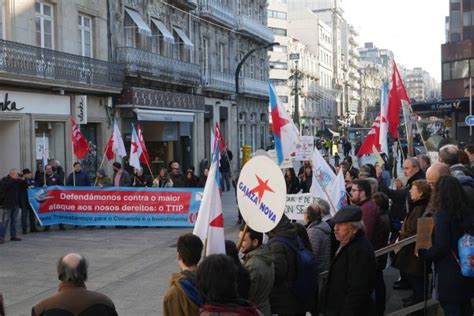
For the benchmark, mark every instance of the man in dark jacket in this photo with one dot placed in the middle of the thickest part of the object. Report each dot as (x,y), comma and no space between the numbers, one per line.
(73,298)
(259,262)
(182,297)
(52,179)
(176,175)
(224,168)
(27,182)
(80,178)
(10,207)
(351,278)
(282,301)
(121,177)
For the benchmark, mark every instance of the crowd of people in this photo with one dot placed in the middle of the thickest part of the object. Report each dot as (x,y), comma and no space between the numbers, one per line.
(15,207)
(267,277)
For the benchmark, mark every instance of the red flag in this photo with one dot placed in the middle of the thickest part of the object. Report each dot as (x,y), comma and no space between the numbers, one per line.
(109,151)
(218,138)
(372,139)
(397,94)
(79,143)
(144,157)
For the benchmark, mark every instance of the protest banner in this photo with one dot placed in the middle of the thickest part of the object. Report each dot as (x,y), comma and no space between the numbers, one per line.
(296,205)
(261,194)
(304,150)
(116,206)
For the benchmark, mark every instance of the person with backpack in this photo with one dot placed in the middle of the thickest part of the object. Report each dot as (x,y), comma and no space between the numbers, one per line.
(182,297)
(296,270)
(451,218)
(351,278)
(9,205)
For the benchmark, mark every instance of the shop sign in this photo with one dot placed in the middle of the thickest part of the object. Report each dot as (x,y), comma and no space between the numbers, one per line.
(80,109)
(34,103)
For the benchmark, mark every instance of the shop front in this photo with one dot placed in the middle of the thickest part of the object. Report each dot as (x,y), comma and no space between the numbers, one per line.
(31,121)
(172,125)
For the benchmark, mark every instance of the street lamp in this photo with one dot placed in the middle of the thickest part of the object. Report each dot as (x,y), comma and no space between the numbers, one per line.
(297,75)
(237,72)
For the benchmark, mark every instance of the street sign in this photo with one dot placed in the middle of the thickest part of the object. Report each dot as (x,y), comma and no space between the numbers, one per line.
(294,56)
(469,120)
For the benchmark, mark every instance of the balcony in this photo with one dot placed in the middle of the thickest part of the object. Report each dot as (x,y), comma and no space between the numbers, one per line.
(45,67)
(187,4)
(159,68)
(254,29)
(218,12)
(220,82)
(253,87)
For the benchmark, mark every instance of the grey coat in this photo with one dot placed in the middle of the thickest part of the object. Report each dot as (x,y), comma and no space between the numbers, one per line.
(319,234)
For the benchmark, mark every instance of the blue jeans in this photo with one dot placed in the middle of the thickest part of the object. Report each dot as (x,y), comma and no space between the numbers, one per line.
(8,216)
(457,309)
(225,181)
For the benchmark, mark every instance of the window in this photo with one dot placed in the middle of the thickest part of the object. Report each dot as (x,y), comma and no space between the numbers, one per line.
(280,49)
(278,65)
(205,57)
(253,137)
(221,59)
(85,35)
(181,49)
(263,136)
(277,14)
(252,67)
(160,36)
(467,18)
(2,18)
(130,32)
(278,31)
(241,135)
(44,25)
(460,69)
(242,116)
(280,82)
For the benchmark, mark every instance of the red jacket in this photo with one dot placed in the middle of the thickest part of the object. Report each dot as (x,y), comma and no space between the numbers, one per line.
(371,218)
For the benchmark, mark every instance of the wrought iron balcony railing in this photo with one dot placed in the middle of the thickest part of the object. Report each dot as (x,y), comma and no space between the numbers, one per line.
(253,87)
(254,28)
(68,69)
(137,61)
(217,11)
(218,81)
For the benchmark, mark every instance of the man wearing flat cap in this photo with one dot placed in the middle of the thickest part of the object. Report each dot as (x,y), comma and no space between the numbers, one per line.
(351,278)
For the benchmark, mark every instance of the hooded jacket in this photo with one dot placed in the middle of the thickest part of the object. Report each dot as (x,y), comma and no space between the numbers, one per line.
(182,297)
(259,263)
(282,301)
(319,233)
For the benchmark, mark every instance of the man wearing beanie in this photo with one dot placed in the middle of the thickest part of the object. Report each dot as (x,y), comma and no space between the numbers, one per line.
(351,278)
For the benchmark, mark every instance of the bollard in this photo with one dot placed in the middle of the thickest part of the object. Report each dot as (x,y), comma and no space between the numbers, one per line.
(245,154)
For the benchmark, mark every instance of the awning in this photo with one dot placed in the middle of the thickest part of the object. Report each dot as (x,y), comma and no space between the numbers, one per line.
(187,42)
(163,116)
(168,37)
(142,26)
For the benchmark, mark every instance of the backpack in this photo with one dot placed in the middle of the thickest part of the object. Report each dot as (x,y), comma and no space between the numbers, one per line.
(466,255)
(306,281)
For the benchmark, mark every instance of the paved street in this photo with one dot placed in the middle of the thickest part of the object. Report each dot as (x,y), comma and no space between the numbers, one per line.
(132,265)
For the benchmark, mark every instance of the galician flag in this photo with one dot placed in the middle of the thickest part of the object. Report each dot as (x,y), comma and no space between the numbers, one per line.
(285,132)
(371,139)
(210,221)
(145,157)
(135,150)
(323,176)
(383,118)
(337,193)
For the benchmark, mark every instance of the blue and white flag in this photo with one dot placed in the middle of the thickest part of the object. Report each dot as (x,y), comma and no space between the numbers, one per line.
(383,118)
(323,176)
(337,193)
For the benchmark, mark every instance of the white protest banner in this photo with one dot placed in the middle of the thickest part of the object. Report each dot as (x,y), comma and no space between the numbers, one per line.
(261,194)
(296,204)
(286,163)
(304,150)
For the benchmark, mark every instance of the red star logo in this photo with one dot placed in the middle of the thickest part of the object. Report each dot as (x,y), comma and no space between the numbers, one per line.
(135,147)
(261,188)
(277,122)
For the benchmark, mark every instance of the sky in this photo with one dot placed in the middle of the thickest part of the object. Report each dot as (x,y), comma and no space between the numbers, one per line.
(413,29)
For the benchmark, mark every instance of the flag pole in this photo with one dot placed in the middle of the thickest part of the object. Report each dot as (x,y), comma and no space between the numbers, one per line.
(44,159)
(241,239)
(73,171)
(102,162)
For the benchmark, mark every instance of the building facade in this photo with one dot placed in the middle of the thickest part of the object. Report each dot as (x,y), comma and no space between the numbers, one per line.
(180,59)
(54,65)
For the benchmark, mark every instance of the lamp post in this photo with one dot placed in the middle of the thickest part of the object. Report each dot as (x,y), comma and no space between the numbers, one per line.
(237,72)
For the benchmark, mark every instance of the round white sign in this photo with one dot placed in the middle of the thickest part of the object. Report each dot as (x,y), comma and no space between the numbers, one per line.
(261,194)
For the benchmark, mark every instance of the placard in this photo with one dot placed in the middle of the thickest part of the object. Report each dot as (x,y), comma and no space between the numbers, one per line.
(261,194)
(296,204)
